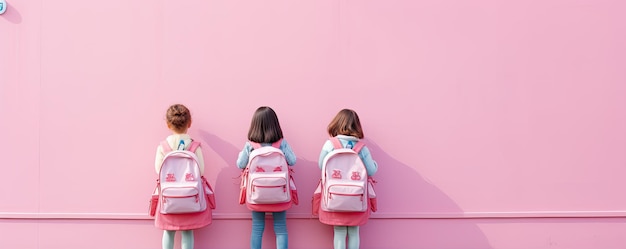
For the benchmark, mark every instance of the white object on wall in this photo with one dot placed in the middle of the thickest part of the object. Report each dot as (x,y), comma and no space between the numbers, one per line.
(3,6)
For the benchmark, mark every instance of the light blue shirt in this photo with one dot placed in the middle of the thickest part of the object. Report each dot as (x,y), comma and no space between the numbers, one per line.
(347,142)
(244,155)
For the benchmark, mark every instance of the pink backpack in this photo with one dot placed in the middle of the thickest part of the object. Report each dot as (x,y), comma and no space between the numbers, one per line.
(344,183)
(266,183)
(180,186)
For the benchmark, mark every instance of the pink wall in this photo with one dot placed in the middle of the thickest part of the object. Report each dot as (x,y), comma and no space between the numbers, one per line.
(496,124)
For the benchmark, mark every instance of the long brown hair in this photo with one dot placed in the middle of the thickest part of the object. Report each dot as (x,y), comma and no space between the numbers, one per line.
(346,122)
(178,117)
(264,127)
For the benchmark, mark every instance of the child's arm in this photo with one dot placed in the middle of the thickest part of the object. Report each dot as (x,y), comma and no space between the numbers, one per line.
(242,160)
(159,159)
(327,148)
(200,159)
(370,165)
(289,155)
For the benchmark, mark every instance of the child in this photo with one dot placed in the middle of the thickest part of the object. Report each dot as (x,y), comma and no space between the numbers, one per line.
(178,120)
(265,130)
(347,128)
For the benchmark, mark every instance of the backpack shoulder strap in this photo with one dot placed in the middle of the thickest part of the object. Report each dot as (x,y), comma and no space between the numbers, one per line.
(255,145)
(277,143)
(193,146)
(358,146)
(336,143)
(165,147)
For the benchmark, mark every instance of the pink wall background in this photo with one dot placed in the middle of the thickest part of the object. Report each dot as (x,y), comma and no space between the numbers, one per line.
(496,124)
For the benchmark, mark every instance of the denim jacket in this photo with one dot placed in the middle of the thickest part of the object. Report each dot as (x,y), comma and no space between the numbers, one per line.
(244,155)
(370,165)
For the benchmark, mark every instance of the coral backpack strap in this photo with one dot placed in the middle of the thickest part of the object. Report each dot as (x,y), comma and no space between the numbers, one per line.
(255,145)
(165,147)
(336,143)
(277,143)
(193,146)
(358,146)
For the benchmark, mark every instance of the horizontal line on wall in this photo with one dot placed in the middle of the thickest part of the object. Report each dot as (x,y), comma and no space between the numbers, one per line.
(508,214)
(238,216)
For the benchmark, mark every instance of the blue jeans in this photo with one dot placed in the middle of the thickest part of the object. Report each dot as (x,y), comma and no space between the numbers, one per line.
(280,229)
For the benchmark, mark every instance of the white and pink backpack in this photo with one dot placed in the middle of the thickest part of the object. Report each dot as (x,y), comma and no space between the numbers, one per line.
(266,183)
(180,186)
(344,183)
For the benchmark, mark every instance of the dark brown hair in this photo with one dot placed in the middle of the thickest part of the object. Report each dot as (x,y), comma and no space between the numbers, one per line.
(264,127)
(178,117)
(346,122)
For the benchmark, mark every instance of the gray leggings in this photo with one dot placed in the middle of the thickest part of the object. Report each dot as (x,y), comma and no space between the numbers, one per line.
(186,240)
(352,232)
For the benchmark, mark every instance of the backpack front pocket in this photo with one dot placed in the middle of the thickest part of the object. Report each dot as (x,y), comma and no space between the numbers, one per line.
(177,200)
(345,198)
(269,189)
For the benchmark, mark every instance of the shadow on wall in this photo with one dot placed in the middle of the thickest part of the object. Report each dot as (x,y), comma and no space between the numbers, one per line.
(402,192)
(302,226)
(228,179)
(403,195)
(226,188)
(309,230)
(12,15)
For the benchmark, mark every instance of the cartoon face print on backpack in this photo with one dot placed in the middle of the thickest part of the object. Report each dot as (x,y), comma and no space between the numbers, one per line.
(189,177)
(355,176)
(336,174)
